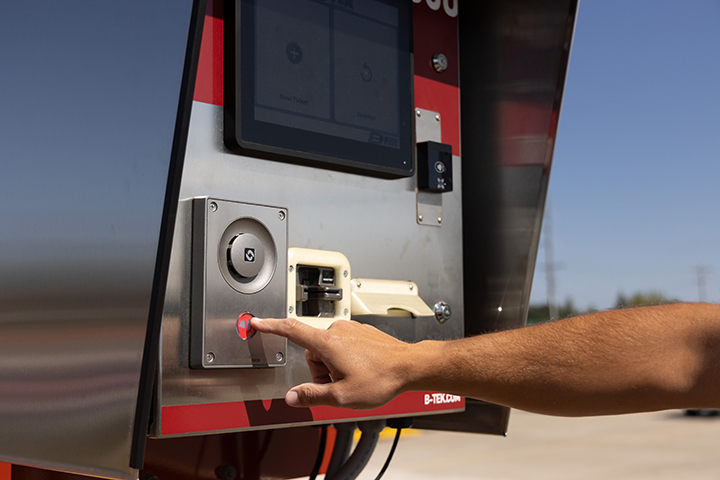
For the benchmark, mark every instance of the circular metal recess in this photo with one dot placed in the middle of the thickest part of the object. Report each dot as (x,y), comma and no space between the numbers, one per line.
(247,255)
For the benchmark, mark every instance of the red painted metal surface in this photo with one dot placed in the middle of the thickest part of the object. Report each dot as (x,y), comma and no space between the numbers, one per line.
(209,82)
(434,31)
(5,471)
(212,417)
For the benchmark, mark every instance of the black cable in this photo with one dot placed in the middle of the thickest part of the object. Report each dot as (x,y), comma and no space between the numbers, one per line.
(364,449)
(321,453)
(342,448)
(390,455)
(265,446)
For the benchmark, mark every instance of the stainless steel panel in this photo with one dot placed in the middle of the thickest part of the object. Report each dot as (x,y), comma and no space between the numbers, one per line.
(218,298)
(513,65)
(89,94)
(428,128)
(370,220)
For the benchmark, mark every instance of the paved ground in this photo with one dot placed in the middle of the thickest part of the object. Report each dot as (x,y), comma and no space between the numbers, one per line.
(655,446)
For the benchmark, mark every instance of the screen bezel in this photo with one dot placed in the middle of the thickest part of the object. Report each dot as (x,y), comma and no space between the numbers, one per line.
(247,136)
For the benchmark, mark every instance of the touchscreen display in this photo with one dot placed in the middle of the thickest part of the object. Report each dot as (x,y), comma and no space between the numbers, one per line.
(327,81)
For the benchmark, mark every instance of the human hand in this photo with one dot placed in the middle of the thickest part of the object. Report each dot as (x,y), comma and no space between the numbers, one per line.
(353,365)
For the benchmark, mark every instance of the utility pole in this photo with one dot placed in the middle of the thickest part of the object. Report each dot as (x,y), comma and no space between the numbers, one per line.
(702,284)
(550,263)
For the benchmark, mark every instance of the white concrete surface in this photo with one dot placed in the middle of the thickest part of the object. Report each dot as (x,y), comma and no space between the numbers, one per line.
(658,446)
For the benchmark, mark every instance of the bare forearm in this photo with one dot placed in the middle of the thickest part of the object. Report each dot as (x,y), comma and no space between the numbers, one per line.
(620,361)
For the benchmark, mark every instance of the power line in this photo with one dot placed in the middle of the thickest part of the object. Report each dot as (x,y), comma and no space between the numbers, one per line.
(702,283)
(550,263)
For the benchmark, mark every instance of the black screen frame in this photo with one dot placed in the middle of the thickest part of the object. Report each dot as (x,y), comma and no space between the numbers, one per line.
(245,135)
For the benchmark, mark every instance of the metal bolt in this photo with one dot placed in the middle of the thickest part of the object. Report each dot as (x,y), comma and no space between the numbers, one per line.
(358,284)
(411,286)
(440,220)
(420,217)
(439,62)
(210,357)
(290,269)
(437,117)
(281,215)
(345,312)
(345,273)
(213,207)
(442,312)
(279,356)
(418,112)
(290,309)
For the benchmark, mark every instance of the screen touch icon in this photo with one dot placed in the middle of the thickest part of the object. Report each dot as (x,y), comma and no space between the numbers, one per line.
(294,53)
(367,73)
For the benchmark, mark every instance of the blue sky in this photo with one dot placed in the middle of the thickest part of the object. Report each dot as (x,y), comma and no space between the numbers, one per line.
(635,184)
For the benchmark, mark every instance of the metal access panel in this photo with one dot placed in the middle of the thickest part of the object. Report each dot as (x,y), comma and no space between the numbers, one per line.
(358,233)
(461,236)
(239,257)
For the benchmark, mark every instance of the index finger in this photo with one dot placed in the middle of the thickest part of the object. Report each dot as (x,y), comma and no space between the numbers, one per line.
(295,331)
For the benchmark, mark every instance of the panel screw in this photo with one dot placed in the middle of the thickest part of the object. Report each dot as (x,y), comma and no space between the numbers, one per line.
(411,286)
(439,62)
(290,268)
(281,215)
(420,217)
(290,309)
(213,207)
(358,284)
(345,273)
(210,357)
(440,220)
(418,112)
(345,312)
(279,356)
(437,117)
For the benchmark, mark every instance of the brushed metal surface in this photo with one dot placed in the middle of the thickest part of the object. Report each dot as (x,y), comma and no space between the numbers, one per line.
(86,130)
(370,220)
(428,128)
(218,299)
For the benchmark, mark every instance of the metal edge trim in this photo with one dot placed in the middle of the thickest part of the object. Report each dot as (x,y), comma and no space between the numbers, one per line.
(148,371)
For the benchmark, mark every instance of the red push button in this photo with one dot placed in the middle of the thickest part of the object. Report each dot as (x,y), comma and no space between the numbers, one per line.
(244,327)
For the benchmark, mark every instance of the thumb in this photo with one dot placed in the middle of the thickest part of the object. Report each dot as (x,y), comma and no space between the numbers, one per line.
(310,395)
